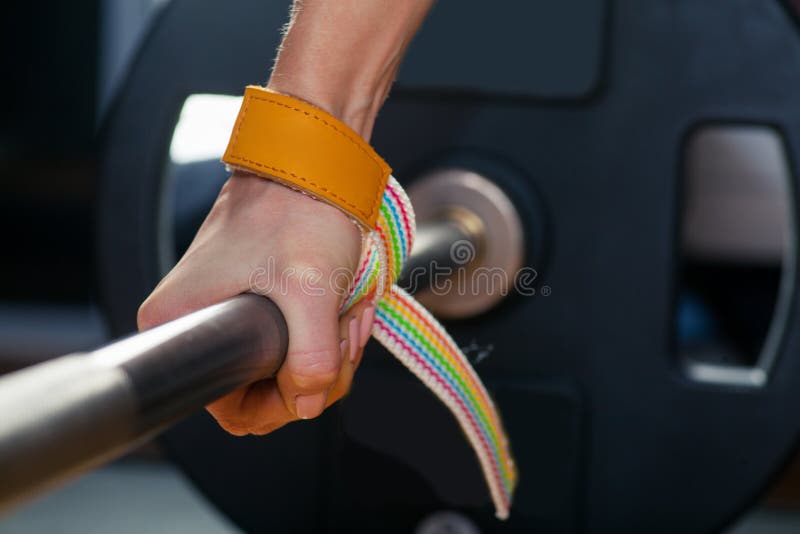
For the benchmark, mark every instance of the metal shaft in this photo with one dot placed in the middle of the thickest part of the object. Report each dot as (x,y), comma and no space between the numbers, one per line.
(64,416)
(438,248)
(67,415)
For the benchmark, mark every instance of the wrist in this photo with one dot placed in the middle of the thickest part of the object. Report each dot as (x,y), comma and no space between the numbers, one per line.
(319,69)
(342,56)
(356,107)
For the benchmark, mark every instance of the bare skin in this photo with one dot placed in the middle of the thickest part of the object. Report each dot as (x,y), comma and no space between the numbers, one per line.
(341,55)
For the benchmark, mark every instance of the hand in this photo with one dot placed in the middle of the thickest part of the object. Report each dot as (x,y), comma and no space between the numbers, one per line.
(263,237)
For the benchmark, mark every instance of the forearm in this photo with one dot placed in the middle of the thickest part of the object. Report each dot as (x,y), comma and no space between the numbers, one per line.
(343,55)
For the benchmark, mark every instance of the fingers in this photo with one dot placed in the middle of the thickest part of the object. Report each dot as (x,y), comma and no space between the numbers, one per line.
(355,329)
(253,409)
(303,240)
(323,355)
(260,408)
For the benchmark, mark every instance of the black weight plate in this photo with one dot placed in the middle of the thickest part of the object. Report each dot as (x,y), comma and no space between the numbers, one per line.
(610,434)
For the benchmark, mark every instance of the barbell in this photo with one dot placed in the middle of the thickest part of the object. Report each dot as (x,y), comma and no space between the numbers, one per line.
(615,426)
(73,413)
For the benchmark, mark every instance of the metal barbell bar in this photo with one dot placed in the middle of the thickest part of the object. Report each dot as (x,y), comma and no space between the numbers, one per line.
(76,412)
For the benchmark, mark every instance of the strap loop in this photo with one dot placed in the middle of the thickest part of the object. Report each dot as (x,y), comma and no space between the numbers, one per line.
(410,333)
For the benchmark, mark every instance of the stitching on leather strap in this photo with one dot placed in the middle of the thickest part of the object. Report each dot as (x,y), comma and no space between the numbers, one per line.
(310,182)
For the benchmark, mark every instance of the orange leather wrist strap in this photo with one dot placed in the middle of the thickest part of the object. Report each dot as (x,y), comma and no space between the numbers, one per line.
(302,146)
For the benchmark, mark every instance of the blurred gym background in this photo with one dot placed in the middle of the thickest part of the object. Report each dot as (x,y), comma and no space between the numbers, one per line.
(62,64)
(67,59)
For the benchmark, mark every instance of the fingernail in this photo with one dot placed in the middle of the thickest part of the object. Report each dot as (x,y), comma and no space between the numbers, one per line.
(310,406)
(342,349)
(353,338)
(366,325)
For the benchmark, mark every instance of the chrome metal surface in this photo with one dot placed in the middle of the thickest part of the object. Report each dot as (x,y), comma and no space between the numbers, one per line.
(67,415)
(431,257)
(483,267)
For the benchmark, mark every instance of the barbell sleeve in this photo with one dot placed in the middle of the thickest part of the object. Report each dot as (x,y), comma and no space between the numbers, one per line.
(432,255)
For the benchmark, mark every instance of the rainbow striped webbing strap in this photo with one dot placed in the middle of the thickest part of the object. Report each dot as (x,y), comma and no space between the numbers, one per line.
(407,330)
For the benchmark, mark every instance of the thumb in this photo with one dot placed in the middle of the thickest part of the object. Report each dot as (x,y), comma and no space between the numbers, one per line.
(313,358)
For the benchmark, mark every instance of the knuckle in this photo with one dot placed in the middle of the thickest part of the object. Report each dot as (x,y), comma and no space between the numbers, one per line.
(230,419)
(314,369)
(232,422)
(234,428)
